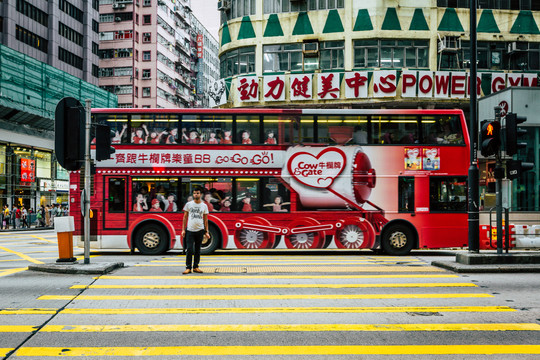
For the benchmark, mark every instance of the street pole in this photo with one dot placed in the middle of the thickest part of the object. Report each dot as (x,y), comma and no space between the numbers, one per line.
(474,216)
(87,174)
(499,175)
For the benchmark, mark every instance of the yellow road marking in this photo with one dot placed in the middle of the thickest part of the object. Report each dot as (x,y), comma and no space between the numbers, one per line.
(138,311)
(262,297)
(299,260)
(283,327)
(24,256)
(282,350)
(4,351)
(42,238)
(326,269)
(12,271)
(277,263)
(272,327)
(221,277)
(273,286)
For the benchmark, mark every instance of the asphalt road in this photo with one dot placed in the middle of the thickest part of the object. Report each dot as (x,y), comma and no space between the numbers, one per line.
(259,305)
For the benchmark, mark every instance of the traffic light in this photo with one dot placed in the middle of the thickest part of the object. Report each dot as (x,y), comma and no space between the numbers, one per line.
(514,168)
(103,142)
(490,137)
(513,132)
(69,137)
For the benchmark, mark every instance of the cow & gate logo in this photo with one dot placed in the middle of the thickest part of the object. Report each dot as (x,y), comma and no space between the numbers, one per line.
(318,171)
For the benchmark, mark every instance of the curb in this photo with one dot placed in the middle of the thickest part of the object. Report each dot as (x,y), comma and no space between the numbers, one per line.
(76,268)
(487,268)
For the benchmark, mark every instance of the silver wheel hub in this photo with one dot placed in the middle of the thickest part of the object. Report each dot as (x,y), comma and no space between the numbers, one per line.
(151,240)
(252,236)
(352,236)
(301,238)
(398,239)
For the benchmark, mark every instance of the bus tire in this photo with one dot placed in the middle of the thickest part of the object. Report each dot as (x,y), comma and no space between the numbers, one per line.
(152,239)
(208,246)
(397,239)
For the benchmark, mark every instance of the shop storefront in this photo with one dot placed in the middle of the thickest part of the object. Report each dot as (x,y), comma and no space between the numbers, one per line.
(29,177)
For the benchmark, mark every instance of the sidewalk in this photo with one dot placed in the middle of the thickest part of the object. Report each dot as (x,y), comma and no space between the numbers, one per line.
(32,228)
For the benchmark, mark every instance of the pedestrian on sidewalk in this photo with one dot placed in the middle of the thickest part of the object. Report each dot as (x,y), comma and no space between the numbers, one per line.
(194,229)
(24,213)
(18,216)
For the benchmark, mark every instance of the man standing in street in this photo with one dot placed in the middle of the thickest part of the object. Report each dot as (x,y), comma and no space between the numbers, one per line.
(194,229)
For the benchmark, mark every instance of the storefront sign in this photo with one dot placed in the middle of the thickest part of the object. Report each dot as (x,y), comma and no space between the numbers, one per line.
(45,185)
(374,84)
(28,170)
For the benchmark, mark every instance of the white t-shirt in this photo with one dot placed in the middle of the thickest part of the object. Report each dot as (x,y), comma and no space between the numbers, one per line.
(195,217)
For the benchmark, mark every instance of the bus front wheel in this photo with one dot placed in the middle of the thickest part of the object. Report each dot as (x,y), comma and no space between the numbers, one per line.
(397,239)
(152,240)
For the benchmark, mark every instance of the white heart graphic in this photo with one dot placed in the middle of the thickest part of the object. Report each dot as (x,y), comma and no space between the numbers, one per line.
(318,171)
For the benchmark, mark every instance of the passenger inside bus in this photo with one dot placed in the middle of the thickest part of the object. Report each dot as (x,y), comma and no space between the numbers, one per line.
(246,137)
(270,138)
(173,136)
(226,137)
(140,203)
(246,207)
(193,138)
(156,206)
(277,204)
(137,135)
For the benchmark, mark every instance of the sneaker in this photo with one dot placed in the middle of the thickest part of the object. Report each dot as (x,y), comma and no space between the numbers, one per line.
(197,270)
(188,271)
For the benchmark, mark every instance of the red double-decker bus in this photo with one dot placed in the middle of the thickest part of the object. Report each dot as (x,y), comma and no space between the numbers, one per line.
(394,180)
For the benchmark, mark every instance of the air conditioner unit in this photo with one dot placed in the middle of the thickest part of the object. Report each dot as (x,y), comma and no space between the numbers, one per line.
(224,5)
(117,19)
(146,77)
(310,48)
(119,6)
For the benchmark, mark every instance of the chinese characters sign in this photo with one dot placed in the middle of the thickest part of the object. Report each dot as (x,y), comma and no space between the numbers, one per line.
(196,158)
(200,46)
(27,170)
(373,84)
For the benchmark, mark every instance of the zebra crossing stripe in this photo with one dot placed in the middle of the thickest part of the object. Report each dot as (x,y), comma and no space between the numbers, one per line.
(271,327)
(266,297)
(282,350)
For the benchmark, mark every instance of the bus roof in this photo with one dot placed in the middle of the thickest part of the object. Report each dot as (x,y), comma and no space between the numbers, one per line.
(279,111)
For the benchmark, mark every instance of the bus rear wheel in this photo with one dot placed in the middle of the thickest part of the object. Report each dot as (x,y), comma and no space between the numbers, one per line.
(397,239)
(209,245)
(152,240)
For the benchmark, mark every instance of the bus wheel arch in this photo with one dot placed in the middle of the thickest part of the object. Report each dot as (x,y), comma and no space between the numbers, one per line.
(254,239)
(162,228)
(309,240)
(222,228)
(399,237)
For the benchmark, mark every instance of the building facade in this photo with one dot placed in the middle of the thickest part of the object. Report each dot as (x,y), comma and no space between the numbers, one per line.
(60,33)
(207,67)
(148,53)
(48,50)
(372,53)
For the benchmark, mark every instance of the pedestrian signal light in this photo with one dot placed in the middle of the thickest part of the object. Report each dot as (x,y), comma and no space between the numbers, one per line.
(513,133)
(490,137)
(514,168)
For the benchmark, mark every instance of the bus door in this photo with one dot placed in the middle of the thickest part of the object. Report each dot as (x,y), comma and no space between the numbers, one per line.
(115,203)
